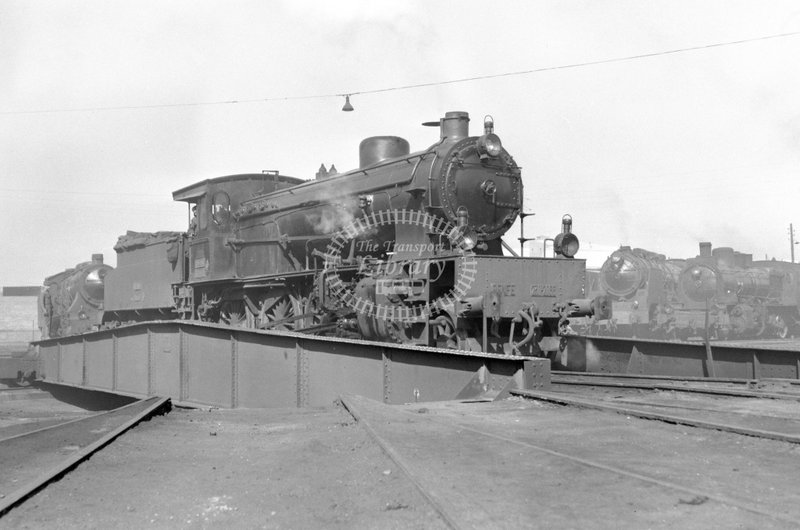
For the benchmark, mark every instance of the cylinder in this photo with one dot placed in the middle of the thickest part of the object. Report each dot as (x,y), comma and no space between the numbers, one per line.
(379,148)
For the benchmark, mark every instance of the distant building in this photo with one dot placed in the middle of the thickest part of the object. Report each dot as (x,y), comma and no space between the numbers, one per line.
(18,319)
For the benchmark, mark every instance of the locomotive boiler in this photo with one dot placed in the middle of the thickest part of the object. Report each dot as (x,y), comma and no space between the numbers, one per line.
(407,247)
(743,298)
(71,302)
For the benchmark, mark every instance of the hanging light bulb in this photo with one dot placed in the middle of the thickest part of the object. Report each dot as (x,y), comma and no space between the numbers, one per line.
(347,106)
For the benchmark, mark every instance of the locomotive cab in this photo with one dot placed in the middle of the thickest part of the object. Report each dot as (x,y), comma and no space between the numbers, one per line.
(210,255)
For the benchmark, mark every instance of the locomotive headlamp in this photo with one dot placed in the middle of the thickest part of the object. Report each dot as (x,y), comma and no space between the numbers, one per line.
(566,244)
(697,275)
(466,237)
(489,146)
(469,239)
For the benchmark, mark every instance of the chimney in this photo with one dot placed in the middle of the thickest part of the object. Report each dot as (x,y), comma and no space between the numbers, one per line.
(455,125)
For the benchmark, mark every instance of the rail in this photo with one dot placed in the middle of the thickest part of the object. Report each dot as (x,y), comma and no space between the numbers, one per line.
(87,435)
(459,503)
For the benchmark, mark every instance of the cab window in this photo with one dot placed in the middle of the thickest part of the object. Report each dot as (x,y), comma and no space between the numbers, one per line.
(221,210)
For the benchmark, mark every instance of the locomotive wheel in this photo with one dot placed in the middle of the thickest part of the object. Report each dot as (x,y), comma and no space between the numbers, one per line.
(303,305)
(233,314)
(289,313)
(234,319)
(279,317)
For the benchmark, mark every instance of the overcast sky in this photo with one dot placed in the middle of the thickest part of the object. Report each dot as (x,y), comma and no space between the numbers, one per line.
(659,152)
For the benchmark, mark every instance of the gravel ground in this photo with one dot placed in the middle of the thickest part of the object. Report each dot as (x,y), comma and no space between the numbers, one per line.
(509,464)
(234,469)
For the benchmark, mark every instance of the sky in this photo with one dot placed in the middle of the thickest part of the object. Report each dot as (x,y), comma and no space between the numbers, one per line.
(107,107)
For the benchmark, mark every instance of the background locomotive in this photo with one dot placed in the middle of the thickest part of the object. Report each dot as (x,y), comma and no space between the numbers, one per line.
(71,302)
(743,298)
(655,297)
(405,248)
(641,286)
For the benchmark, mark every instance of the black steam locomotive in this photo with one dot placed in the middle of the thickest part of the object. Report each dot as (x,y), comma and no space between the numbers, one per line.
(743,298)
(71,302)
(652,296)
(641,287)
(405,248)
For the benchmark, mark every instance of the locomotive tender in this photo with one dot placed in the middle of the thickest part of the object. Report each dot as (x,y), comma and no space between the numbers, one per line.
(405,248)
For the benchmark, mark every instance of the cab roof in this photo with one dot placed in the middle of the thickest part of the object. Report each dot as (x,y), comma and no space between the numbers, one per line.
(194,191)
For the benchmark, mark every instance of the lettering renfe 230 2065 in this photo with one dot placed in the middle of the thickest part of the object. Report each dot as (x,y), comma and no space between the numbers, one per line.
(537,289)
(543,289)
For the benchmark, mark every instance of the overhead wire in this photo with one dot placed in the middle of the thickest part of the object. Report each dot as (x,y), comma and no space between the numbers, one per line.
(414,86)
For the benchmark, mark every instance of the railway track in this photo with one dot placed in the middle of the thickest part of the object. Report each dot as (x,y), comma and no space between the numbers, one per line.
(564,473)
(515,463)
(740,406)
(763,388)
(33,459)
(15,392)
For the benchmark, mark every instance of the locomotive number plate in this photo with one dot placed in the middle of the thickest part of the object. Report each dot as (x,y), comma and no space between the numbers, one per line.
(543,289)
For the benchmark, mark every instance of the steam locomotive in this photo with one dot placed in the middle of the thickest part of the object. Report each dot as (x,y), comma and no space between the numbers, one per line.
(71,302)
(405,248)
(652,296)
(743,298)
(641,286)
